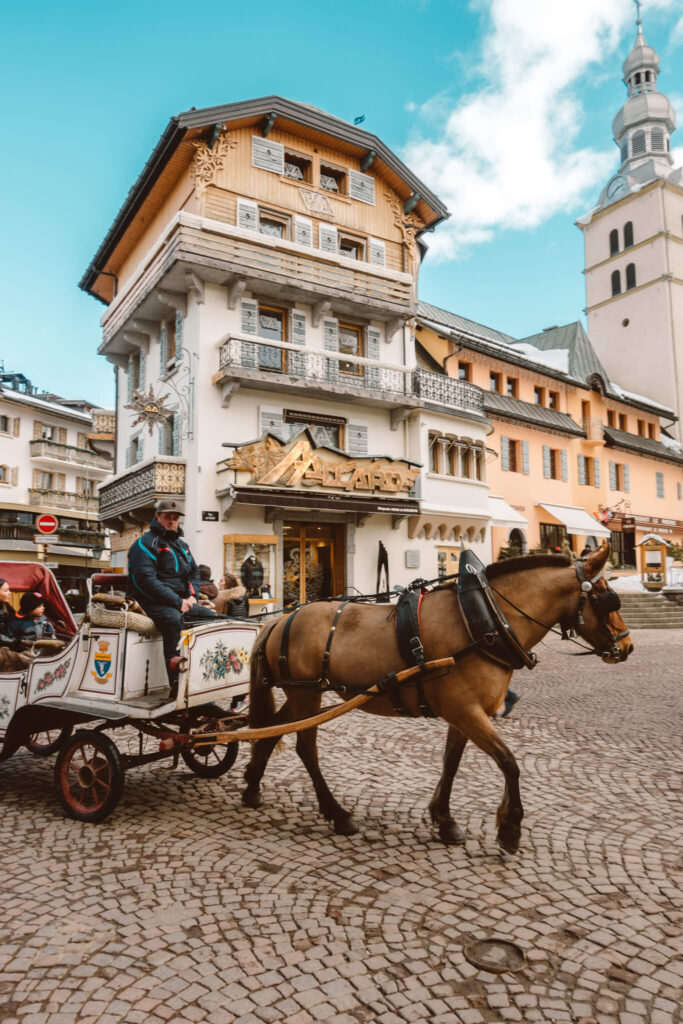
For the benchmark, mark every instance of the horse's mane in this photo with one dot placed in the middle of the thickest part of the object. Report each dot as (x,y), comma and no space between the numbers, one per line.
(508,565)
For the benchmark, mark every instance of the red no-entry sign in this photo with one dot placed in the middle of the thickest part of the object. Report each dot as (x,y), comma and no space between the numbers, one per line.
(46,524)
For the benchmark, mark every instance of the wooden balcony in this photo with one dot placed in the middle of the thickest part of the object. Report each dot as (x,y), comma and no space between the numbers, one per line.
(50,498)
(57,454)
(130,496)
(223,253)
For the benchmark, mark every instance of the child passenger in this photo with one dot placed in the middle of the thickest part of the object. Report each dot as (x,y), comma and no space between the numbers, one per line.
(31,622)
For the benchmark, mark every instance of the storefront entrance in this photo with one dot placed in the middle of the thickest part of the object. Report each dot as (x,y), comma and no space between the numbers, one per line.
(313,557)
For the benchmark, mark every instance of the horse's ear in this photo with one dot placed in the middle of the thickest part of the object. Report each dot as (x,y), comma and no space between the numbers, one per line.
(596,560)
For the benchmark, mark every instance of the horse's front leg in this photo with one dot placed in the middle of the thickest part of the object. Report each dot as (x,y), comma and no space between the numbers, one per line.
(478,728)
(307,749)
(439,807)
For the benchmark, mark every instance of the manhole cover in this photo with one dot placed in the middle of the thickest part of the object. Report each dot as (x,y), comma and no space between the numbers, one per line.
(495,955)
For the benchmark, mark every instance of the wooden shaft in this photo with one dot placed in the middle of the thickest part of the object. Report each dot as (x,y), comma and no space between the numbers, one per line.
(206,739)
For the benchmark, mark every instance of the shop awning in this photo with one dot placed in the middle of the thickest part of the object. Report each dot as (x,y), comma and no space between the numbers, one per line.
(503,514)
(576,520)
(329,502)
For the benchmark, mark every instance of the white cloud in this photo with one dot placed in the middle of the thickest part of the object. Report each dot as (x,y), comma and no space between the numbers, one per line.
(506,156)
(677,34)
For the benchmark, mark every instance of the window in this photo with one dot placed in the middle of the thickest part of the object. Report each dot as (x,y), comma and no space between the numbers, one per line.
(3,474)
(274,224)
(45,481)
(512,387)
(552,535)
(610,418)
(514,455)
(350,343)
(333,179)
(641,428)
(297,166)
(623,422)
(170,346)
(657,140)
(628,234)
(464,371)
(351,248)
(613,242)
(659,479)
(652,431)
(553,399)
(456,456)
(494,381)
(4,424)
(271,324)
(630,276)
(539,396)
(327,431)
(85,487)
(638,143)
(555,463)
(619,477)
(588,471)
(616,282)
(47,433)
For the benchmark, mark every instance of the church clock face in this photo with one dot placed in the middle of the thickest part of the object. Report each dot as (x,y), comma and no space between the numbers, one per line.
(617,187)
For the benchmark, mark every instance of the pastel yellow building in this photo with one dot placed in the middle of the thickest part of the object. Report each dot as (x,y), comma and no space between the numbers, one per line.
(572,457)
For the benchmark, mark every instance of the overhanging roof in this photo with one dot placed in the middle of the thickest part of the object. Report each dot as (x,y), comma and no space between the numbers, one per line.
(641,445)
(535,415)
(288,113)
(576,520)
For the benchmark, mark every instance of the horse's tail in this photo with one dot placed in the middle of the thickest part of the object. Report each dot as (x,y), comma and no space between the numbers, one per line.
(261,700)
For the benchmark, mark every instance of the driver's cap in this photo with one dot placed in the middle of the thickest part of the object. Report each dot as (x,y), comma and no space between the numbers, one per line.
(170,505)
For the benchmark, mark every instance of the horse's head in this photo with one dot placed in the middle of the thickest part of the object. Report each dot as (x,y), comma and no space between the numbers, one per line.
(597,617)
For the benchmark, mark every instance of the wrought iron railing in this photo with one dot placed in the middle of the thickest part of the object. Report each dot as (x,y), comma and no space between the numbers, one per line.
(443,390)
(327,370)
(42,449)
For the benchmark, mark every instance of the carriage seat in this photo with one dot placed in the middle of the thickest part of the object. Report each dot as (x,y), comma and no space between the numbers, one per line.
(109,606)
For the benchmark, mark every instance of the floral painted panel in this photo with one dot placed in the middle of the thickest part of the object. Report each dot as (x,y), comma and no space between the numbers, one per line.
(221,661)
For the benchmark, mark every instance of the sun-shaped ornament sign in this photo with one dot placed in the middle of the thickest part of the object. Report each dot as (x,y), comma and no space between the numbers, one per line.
(150,409)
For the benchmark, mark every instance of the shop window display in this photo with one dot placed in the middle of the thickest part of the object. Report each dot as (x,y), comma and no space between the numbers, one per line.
(253,559)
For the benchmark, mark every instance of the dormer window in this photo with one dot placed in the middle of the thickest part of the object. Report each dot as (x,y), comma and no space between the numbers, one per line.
(297,166)
(332,179)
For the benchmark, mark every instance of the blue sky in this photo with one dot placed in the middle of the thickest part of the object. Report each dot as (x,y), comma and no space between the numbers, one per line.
(504,107)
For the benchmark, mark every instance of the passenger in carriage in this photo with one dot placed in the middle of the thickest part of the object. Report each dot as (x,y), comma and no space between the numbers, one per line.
(163,577)
(30,622)
(7,612)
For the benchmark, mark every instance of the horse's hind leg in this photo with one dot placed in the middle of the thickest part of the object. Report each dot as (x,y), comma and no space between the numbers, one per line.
(307,749)
(260,754)
(479,730)
(439,807)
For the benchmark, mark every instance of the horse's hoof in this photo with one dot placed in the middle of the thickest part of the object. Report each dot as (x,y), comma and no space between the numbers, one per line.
(509,840)
(345,826)
(251,798)
(451,834)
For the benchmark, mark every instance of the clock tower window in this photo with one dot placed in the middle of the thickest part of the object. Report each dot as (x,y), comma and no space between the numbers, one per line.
(613,242)
(616,283)
(628,234)
(630,276)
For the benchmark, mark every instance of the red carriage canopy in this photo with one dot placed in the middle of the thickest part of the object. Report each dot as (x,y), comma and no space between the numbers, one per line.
(23,576)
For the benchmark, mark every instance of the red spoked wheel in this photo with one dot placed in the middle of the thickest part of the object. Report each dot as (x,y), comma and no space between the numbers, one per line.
(42,744)
(89,776)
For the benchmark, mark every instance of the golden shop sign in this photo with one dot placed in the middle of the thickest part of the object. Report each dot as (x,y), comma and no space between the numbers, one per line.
(299,462)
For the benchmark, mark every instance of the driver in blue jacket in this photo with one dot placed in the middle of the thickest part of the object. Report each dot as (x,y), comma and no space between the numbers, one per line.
(163,577)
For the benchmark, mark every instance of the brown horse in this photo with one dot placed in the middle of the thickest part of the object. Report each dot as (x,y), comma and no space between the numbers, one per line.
(545,589)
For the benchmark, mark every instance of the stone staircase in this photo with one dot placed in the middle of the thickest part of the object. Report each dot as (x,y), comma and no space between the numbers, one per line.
(651,611)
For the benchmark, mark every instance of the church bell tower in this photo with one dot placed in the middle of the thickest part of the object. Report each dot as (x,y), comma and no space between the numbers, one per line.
(634,245)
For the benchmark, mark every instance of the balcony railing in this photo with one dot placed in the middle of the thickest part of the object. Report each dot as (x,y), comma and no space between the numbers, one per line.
(62,499)
(327,371)
(137,489)
(456,394)
(52,451)
(594,428)
(302,273)
(16,531)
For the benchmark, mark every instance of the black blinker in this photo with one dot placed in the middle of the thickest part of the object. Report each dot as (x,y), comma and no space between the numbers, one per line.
(609,600)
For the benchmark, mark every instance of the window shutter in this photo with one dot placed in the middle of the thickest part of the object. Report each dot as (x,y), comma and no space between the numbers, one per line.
(612,476)
(249,326)
(660,484)
(377,252)
(141,373)
(82,440)
(357,439)
(37,430)
(582,469)
(374,338)
(505,453)
(61,481)
(546,461)
(331,343)
(14,476)
(79,485)
(163,348)
(16,426)
(176,434)
(273,422)
(247,214)
(268,155)
(178,342)
(61,435)
(296,361)
(327,238)
(362,186)
(596,472)
(525,457)
(303,231)
(161,439)
(129,386)
(565,464)
(36,478)
(128,451)
(627,479)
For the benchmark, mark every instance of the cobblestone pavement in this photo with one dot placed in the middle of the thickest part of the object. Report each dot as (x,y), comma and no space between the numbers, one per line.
(185,907)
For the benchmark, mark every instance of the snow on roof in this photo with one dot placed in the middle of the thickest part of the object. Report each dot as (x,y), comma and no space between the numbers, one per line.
(38,403)
(555,358)
(671,442)
(626,395)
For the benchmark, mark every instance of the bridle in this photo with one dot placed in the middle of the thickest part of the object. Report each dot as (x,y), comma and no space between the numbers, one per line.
(603,602)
